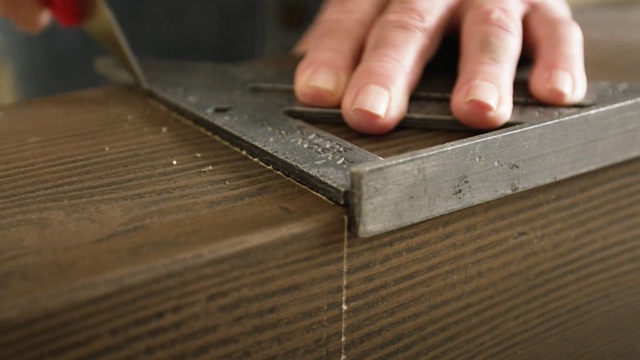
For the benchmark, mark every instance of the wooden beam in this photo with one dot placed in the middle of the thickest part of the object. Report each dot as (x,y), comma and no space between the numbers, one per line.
(122,224)
(109,250)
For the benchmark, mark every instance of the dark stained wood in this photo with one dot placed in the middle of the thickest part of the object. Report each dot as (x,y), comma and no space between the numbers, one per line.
(548,273)
(107,252)
(400,141)
(119,253)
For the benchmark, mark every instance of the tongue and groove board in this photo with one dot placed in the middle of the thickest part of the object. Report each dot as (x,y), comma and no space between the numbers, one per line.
(109,250)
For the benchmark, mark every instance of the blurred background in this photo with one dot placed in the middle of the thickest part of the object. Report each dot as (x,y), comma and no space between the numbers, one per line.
(59,60)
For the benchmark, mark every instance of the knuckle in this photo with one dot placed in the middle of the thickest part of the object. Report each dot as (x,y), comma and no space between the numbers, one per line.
(387,66)
(571,28)
(564,28)
(489,70)
(560,7)
(499,18)
(348,7)
(345,14)
(411,19)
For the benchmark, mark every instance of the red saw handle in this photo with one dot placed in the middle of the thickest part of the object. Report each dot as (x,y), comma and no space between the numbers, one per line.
(68,13)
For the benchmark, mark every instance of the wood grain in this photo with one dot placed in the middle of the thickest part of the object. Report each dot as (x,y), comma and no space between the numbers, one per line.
(109,250)
(530,276)
(550,273)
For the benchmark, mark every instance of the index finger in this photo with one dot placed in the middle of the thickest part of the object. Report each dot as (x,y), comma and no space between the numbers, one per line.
(333,49)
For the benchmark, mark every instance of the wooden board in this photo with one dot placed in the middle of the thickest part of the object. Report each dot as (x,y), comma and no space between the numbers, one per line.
(106,242)
(109,250)
(550,273)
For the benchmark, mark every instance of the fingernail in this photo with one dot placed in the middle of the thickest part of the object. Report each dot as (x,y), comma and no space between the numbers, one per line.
(484,93)
(324,79)
(562,81)
(374,100)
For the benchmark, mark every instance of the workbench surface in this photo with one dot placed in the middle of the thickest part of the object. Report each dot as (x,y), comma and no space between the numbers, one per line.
(125,232)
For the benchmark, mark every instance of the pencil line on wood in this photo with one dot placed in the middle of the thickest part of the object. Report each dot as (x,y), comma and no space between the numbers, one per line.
(344,287)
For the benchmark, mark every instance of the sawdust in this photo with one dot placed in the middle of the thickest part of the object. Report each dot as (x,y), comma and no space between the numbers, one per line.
(208,133)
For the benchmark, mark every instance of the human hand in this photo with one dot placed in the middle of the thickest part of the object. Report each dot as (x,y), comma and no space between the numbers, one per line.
(368,55)
(28,15)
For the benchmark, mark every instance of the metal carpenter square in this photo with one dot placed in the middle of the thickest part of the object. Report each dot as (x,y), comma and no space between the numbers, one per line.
(219,98)
(254,108)
(410,188)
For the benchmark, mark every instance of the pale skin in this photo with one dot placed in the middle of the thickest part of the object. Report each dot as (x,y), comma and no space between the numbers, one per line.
(366,56)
